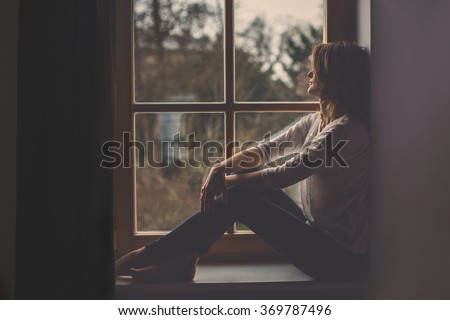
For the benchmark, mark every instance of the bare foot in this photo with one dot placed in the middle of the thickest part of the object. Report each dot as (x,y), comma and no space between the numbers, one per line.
(133,259)
(180,269)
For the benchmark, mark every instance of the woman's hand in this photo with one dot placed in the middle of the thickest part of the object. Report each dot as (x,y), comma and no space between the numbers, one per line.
(215,184)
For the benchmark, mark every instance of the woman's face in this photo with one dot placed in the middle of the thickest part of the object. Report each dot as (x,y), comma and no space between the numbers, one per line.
(316,87)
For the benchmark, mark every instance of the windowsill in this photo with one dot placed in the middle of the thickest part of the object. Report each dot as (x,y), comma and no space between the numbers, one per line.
(243,281)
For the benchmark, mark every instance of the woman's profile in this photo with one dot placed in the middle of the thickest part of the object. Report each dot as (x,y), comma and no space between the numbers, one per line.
(327,236)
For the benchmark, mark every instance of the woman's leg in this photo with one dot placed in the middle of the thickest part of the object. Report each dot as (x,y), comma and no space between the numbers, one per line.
(196,234)
(274,217)
(270,214)
(190,238)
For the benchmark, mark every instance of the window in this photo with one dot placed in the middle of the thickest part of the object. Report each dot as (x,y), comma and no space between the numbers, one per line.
(199,80)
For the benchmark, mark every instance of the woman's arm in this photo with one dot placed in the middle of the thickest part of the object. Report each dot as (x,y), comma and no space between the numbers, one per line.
(252,180)
(246,159)
(218,181)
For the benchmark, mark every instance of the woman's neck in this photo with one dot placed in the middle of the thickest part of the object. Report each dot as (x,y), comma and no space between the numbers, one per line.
(329,111)
(326,114)
(323,106)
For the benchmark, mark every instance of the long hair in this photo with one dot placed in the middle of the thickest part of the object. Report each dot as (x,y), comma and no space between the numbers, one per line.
(343,68)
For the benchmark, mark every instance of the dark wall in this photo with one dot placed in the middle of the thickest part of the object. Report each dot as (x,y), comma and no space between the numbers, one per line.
(410,54)
(64,246)
(9,17)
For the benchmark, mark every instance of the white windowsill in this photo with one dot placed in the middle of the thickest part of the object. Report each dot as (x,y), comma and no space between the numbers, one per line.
(243,281)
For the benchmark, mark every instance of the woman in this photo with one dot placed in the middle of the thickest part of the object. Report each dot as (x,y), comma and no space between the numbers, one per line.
(326,238)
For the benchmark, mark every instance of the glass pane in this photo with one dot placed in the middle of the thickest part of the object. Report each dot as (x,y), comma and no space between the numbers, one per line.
(178,52)
(273,44)
(174,153)
(258,126)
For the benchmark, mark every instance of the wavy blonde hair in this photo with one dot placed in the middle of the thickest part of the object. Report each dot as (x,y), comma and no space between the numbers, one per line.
(343,68)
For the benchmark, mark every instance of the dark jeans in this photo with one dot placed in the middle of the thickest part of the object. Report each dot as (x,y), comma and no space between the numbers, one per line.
(278,220)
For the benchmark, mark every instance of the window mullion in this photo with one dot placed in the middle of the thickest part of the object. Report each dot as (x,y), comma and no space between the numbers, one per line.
(229,53)
(229,77)
(220,107)
(229,83)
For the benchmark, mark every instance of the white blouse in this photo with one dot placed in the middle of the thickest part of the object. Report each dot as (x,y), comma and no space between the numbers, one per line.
(332,167)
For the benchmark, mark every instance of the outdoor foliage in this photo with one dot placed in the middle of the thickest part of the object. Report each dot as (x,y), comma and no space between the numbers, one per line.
(179,57)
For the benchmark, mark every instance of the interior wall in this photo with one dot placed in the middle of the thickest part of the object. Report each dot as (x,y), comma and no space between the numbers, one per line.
(8,116)
(410,53)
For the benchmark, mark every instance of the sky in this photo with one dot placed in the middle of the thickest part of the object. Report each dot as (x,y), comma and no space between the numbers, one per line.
(305,10)
(275,10)
(278,14)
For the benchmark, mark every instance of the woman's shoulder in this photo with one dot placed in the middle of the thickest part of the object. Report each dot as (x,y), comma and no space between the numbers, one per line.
(350,122)
(351,127)
(304,123)
(309,119)
(313,116)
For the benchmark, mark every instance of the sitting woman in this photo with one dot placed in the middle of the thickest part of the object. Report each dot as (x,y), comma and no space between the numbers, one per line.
(327,238)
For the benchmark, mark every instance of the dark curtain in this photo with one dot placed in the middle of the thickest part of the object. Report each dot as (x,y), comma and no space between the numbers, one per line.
(66,111)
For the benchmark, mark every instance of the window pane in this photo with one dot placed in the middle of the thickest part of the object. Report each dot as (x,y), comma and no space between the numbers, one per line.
(259,126)
(273,44)
(179,149)
(178,53)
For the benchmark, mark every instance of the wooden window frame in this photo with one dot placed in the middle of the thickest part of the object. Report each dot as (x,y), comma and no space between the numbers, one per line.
(340,24)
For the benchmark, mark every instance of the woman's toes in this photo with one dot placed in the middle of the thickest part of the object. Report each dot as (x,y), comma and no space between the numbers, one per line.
(147,274)
(181,269)
(162,274)
(126,262)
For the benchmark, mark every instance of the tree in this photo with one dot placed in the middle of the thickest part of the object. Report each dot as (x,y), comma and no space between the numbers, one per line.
(179,58)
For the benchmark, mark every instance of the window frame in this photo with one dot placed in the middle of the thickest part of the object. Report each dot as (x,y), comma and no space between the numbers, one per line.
(339,24)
